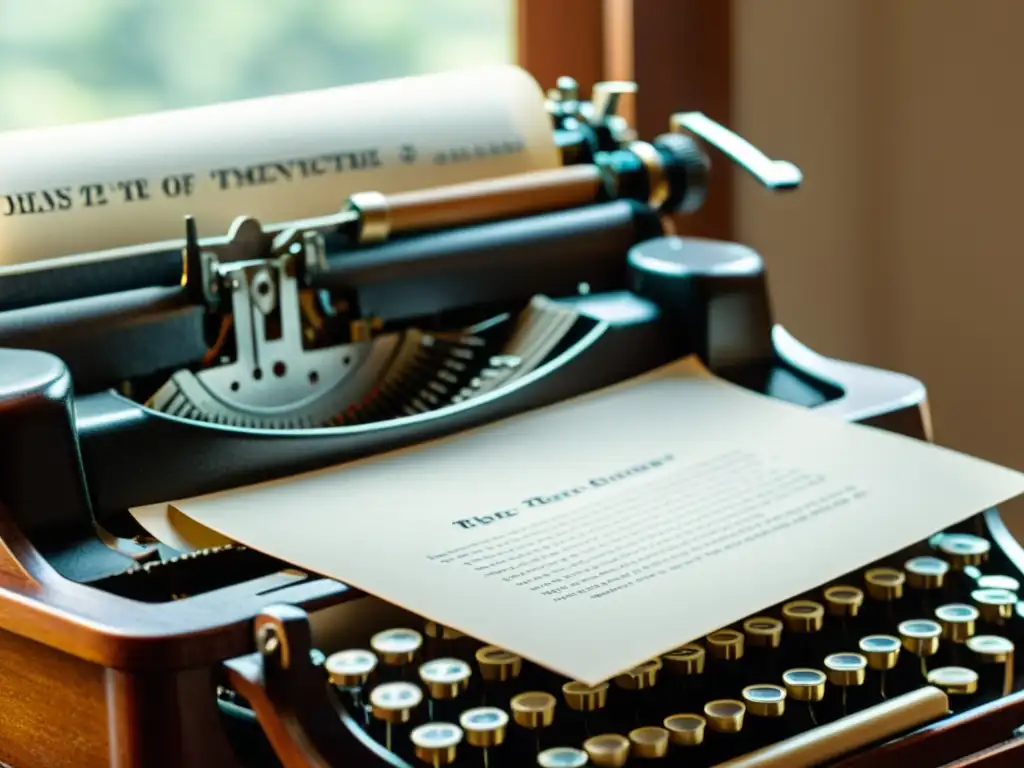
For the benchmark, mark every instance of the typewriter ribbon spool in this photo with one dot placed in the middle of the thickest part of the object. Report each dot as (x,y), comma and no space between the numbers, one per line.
(81,188)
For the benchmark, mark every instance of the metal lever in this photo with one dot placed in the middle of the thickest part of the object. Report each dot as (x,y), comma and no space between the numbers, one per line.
(605,98)
(774,174)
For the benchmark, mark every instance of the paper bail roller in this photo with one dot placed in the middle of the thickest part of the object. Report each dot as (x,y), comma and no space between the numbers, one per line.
(80,188)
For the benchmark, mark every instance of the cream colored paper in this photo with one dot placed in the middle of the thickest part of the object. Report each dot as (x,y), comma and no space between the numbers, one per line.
(80,188)
(593,535)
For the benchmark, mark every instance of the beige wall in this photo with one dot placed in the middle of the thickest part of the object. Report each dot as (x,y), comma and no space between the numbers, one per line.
(905,248)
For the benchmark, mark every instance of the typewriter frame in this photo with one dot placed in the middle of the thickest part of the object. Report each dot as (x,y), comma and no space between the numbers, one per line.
(149,670)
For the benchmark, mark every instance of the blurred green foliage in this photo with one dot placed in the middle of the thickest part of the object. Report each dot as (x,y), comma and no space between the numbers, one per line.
(64,61)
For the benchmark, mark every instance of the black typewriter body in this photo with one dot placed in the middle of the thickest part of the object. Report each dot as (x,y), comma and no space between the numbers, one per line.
(112,401)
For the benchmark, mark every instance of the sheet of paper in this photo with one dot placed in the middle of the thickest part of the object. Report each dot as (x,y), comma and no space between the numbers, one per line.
(74,189)
(598,533)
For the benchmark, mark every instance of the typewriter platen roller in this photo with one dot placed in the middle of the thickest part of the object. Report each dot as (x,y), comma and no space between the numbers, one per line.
(161,372)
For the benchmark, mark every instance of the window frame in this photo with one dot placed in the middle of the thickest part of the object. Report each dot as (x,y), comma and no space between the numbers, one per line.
(679,52)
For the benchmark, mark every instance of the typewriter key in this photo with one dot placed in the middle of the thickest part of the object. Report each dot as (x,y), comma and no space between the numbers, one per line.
(926,572)
(484,726)
(394,702)
(881,651)
(396,647)
(845,670)
(725,715)
(725,645)
(957,620)
(884,584)
(686,660)
(955,681)
(436,743)
(763,632)
(998,581)
(804,684)
(995,605)
(844,601)
(803,616)
(920,637)
(350,669)
(640,677)
(685,730)
(445,678)
(994,652)
(562,757)
(648,742)
(498,665)
(765,700)
(963,549)
(533,709)
(437,631)
(609,750)
(581,697)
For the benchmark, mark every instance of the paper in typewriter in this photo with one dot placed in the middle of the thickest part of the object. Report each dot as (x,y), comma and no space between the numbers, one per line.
(76,189)
(598,533)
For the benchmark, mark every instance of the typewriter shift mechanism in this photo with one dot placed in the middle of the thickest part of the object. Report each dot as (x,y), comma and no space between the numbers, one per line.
(164,372)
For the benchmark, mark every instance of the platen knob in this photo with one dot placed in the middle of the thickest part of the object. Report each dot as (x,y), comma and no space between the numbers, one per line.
(713,291)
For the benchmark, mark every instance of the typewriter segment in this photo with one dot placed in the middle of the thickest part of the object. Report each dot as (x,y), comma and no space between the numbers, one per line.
(871,657)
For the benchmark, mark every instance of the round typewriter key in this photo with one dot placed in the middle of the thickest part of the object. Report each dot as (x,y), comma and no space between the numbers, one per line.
(881,651)
(436,743)
(804,684)
(533,709)
(991,648)
(685,730)
(350,669)
(562,757)
(484,726)
(585,698)
(640,677)
(957,620)
(995,605)
(445,678)
(955,681)
(884,583)
(725,715)
(497,664)
(763,632)
(846,669)
(609,750)
(765,700)
(437,631)
(648,742)
(397,646)
(394,702)
(803,616)
(963,549)
(920,636)
(843,600)
(926,572)
(725,644)
(685,660)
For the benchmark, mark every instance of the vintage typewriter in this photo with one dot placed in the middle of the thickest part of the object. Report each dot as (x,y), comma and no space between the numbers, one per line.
(274,350)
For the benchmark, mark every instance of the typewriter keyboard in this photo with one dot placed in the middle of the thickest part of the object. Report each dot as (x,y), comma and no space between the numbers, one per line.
(866,658)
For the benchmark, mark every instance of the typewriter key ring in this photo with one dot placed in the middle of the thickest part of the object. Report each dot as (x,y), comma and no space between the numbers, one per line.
(807,685)
(845,671)
(394,703)
(921,637)
(436,743)
(882,653)
(350,670)
(485,727)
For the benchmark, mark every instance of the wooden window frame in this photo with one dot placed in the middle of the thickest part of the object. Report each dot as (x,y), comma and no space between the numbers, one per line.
(679,52)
